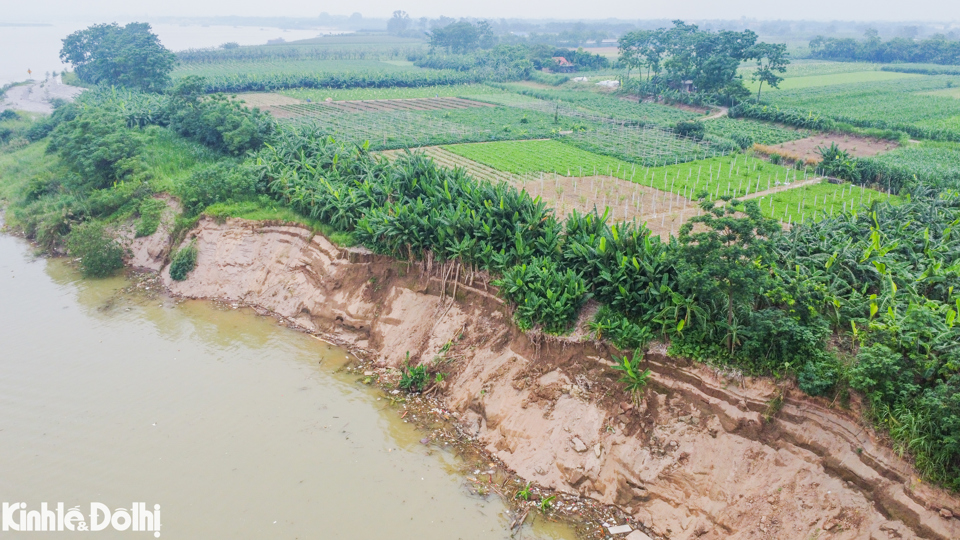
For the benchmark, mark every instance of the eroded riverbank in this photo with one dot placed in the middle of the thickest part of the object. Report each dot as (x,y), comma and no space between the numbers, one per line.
(702,456)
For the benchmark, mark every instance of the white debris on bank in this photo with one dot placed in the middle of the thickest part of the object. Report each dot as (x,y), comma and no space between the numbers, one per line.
(35,96)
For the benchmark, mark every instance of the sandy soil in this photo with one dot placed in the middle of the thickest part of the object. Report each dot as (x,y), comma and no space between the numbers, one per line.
(857,146)
(700,454)
(36,96)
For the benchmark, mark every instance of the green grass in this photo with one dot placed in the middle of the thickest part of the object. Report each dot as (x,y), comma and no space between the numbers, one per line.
(17,167)
(169,158)
(267,209)
(458,90)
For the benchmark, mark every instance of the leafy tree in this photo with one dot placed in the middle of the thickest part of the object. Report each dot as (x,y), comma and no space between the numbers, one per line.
(726,253)
(685,53)
(771,61)
(462,37)
(399,23)
(130,56)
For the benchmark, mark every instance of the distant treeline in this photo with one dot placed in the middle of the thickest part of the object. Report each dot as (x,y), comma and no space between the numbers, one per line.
(936,50)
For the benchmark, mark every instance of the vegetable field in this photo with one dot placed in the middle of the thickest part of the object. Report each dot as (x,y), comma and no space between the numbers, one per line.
(783,193)
(413,129)
(754,131)
(271,75)
(900,104)
(339,94)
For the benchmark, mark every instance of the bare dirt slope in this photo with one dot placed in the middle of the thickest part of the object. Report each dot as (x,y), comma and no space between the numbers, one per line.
(695,458)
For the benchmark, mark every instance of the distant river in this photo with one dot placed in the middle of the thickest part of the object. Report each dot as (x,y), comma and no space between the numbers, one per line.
(37,48)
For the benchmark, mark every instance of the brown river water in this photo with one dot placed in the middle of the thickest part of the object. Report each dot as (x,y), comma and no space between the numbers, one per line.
(238,428)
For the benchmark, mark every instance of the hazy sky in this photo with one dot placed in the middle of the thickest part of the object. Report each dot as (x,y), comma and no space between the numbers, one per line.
(861,10)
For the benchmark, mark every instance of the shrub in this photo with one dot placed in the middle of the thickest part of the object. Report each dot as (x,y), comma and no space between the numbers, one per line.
(100,255)
(743,140)
(97,145)
(691,129)
(818,376)
(183,262)
(150,212)
(220,182)
(625,335)
(544,294)
(413,379)
(220,123)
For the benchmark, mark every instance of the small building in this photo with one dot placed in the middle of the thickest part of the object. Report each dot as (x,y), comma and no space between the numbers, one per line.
(562,65)
(687,86)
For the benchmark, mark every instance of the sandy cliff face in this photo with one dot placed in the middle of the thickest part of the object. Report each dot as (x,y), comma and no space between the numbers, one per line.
(694,458)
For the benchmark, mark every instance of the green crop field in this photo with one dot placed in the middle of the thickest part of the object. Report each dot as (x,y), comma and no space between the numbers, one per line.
(758,132)
(952,92)
(385,130)
(933,163)
(737,176)
(594,105)
(902,104)
(814,202)
(794,83)
(278,74)
(343,94)
(647,146)
(810,68)
(284,67)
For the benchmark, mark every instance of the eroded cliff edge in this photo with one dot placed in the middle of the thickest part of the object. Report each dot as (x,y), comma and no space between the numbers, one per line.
(695,459)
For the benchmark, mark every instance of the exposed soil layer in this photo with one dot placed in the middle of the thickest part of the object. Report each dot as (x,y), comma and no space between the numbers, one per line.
(856,146)
(694,457)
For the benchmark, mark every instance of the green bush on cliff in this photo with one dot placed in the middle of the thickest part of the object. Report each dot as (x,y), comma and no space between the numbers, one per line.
(150,212)
(100,255)
(183,262)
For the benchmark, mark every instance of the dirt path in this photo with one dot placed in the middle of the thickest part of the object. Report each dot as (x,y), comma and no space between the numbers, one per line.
(36,96)
(721,112)
(782,187)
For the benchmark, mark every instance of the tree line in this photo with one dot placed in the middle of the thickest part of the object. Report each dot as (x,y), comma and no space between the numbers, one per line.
(935,50)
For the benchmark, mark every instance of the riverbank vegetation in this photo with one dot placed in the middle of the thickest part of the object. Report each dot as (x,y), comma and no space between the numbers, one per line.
(863,298)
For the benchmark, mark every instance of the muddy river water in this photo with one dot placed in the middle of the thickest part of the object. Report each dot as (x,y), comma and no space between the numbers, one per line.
(238,428)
